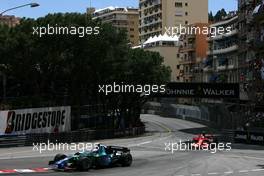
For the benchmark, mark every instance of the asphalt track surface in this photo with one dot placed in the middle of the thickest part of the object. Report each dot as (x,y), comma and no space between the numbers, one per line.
(150,157)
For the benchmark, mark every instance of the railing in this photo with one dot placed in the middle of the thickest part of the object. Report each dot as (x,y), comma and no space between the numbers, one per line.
(249,137)
(12,140)
(223,50)
(68,137)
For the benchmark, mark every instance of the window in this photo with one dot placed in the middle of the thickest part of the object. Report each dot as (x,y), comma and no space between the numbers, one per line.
(186,13)
(178,4)
(131,29)
(186,4)
(178,14)
(178,55)
(178,66)
(131,36)
(186,22)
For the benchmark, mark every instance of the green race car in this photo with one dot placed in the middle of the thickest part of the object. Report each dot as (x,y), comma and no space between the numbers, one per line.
(103,156)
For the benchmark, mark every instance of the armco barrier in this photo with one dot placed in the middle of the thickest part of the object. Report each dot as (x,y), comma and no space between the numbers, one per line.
(227,135)
(249,137)
(12,140)
(67,137)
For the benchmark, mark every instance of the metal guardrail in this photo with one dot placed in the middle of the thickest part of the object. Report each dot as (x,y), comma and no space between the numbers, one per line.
(12,140)
(227,135)
(67,137)
(249,137)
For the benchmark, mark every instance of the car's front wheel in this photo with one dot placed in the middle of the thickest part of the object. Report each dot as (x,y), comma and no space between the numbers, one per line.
(59,157)
(126,160)
(84,164)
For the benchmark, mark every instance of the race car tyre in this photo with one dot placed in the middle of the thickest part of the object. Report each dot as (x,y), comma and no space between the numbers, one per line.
(126,160)
(84,164)
(59,157)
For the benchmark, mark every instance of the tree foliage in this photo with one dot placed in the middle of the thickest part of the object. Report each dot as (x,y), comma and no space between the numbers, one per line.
(218,16)
(66,69)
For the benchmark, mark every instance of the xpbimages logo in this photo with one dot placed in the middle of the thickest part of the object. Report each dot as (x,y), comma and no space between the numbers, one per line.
(190,146)
(65,30)
(56,146)
(197,30)
(147,89)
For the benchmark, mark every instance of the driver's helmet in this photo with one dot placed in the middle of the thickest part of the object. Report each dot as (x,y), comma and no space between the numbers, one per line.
(203,134)
(99,149)
(96,148)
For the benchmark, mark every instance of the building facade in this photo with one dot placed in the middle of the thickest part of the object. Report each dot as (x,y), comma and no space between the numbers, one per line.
(257,65)
(246,51)
(121,18)
(192,51)
(221,65)
(168,48)
(9,20)
(157,16)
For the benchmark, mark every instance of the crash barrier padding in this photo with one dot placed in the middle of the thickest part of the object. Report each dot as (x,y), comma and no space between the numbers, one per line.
(12,140)
(226,136)
(249,137)
(68,137)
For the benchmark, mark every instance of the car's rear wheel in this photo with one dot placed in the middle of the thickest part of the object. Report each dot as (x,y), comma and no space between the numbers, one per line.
(59,157)
(126,160)
(84,164)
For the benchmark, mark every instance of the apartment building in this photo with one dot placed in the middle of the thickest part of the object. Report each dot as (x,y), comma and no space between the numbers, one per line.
(192,51)
(156,16)
(221,65)
(121,18)
(9,20)
(167,47)
(257,65)
(246,51)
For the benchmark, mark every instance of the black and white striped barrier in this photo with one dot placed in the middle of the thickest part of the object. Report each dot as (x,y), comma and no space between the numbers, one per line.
(12,140)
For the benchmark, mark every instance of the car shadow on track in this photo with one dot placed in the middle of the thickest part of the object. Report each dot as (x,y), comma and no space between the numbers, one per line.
(261,165)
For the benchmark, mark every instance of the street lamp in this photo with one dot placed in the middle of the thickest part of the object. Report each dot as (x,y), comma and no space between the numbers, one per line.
(32,5)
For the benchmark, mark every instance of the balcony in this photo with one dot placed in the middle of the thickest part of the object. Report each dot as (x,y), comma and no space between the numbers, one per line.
(187,61)
(190,47)
(151,22)
(188,75)
(223,36)
(230,67)
(221,68)
(208,69)
(223,50)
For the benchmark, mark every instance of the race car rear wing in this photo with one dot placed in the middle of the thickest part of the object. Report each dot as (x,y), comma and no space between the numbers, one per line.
(117,148)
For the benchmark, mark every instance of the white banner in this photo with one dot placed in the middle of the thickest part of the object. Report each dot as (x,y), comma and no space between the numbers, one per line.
(36,120)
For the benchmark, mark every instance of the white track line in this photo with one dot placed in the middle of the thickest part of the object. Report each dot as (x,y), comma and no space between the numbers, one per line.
(257,170)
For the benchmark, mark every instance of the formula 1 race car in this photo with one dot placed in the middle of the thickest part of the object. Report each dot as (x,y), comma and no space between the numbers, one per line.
(204,141)
(103,156)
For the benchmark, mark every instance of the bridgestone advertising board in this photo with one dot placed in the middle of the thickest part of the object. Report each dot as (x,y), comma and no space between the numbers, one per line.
(36,120)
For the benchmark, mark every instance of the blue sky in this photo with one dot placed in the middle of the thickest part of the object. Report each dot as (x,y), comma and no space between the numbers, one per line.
(52,6)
